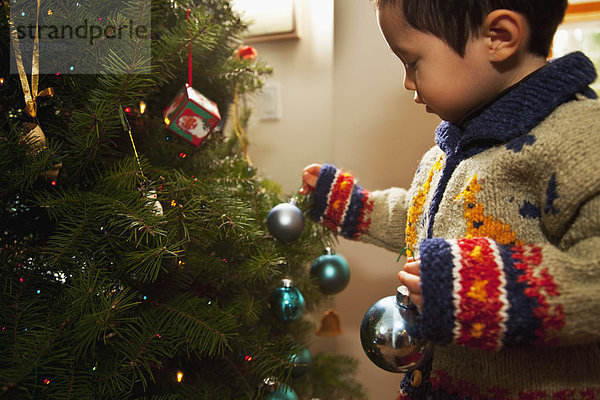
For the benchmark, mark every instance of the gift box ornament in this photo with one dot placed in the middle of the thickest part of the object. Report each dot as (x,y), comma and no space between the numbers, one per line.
(191,115)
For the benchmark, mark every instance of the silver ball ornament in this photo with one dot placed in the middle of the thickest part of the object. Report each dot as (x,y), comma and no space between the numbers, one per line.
(285,222)
(389,334)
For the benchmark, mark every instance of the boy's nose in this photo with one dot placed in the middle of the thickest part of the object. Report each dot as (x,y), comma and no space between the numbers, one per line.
(407,81)
(418,98)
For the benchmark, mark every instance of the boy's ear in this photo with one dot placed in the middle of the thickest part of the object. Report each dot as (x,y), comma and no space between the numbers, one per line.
(507,32)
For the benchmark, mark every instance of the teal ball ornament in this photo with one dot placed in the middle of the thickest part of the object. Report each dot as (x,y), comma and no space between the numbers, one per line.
(302,361)
(390,334)
(286,302)
(285,222)
(332,272)
(283,392)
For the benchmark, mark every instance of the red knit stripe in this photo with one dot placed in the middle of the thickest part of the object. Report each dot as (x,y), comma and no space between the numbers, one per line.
(339,198)
(540,286)
(365,212)
(480,292)
(442,381)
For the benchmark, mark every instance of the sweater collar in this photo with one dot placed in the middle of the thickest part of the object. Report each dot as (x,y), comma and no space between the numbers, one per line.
(520,108)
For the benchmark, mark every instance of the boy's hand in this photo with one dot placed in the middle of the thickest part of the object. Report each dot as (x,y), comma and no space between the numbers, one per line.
(309,178)
(410,277)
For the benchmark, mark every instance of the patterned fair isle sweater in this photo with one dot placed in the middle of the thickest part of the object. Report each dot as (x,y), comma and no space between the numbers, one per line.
(505,217)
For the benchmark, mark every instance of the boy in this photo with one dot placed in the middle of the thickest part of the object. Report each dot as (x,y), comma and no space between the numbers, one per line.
(502,220)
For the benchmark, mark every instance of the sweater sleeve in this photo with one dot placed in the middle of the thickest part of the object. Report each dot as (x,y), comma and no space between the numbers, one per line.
(377,217)
(481,294)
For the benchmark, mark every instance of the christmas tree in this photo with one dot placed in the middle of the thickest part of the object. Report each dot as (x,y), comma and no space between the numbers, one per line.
(135,261)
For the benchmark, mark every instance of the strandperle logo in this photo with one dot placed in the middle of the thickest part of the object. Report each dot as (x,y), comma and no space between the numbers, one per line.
(82,37)
(86,30)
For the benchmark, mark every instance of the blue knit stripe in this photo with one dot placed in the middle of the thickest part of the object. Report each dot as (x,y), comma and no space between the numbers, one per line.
(438,317)
(521,324)
(322,189)
(353,213)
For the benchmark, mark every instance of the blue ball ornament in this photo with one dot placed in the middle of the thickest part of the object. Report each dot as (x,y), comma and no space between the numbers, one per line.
(286,302)
(303,361)
(285,222)
(332,272)
(284,392)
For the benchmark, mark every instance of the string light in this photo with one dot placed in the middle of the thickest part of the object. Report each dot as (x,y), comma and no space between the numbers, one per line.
(179,376)
(167,121)
(182,155)
(127,109)
(142,107)
(49,12)
(173,203)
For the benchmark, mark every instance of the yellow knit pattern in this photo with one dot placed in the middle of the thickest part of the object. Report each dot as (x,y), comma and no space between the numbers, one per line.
(480,225)
(416,208)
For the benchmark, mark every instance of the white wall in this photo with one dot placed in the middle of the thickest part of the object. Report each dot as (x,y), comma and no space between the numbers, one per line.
(343,102)
(303,69)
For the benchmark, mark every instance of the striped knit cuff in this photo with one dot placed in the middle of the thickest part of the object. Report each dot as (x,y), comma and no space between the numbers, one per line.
(480,294)
(341,204)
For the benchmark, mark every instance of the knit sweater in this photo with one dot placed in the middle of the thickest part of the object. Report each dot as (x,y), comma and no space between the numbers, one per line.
(504,214)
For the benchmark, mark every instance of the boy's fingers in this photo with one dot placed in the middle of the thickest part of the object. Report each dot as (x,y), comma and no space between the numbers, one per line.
(305,189)
(412,282)
(309,179)
(417,299)
(413,267)
(310,175)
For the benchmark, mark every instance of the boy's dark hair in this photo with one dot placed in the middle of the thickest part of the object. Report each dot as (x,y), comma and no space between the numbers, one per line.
(454,21)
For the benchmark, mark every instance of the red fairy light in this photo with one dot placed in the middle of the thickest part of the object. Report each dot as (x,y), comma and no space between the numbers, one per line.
(246,53)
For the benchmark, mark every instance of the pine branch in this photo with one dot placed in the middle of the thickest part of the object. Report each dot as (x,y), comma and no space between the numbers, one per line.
(208,334)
